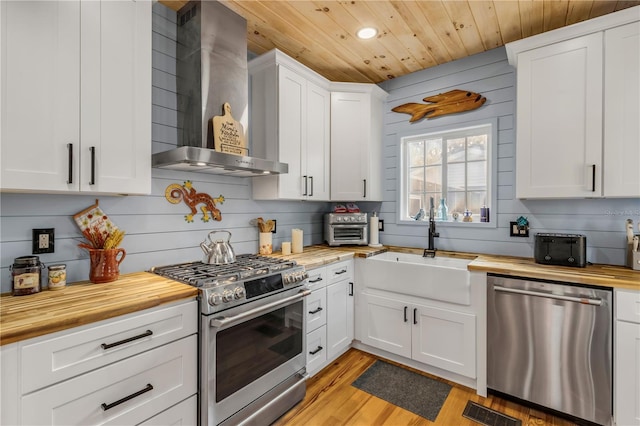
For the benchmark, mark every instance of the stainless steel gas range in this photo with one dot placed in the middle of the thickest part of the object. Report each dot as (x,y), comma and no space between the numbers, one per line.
(252,332)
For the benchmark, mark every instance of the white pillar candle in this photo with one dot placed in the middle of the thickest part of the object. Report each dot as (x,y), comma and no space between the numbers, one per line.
(286,248)
(296,240)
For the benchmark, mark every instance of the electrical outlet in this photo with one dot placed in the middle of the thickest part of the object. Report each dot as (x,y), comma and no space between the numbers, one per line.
(43,240)
(380,225)
(275,223)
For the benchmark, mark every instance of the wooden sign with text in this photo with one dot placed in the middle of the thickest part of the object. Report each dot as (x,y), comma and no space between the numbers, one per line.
(228,134)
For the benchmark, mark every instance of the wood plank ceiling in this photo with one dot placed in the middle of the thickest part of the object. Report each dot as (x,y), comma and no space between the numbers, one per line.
(412,35)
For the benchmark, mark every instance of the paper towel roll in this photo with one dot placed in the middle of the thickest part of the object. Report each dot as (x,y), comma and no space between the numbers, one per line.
(373,231)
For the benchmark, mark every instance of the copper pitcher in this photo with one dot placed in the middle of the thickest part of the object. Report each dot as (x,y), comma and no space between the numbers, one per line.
(104,264)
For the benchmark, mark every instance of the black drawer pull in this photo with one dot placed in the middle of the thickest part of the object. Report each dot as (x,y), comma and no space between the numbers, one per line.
(130,339)
(318,349)
(106,407)
(405,314)
(344,271)
(350,289)
(316,311)
(317,280)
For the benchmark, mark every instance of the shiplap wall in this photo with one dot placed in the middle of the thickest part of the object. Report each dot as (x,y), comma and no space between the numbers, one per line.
(488,73)
(157,233)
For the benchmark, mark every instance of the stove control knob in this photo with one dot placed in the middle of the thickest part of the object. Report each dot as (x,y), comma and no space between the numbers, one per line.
(238,292)
(215,299)
(227,296)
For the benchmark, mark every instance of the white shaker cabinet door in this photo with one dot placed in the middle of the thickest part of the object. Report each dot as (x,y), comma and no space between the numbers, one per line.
(116,97)
(559,120)
(622,111)
(40,124)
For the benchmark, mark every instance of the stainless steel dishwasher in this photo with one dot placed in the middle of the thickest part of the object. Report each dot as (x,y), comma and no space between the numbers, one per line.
(550,344)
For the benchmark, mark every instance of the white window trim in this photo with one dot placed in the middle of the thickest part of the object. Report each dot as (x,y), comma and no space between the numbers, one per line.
(492,184)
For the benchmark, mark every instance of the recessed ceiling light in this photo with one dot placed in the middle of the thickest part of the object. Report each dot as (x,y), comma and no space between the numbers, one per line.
(366,33)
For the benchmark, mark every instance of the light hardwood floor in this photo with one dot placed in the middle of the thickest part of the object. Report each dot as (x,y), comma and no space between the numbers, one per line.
(332,401)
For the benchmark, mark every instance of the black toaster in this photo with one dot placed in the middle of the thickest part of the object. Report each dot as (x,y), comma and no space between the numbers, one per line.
(561,249)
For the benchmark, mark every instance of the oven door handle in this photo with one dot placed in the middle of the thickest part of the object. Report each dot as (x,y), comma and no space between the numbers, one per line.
(220,322)
(583,300)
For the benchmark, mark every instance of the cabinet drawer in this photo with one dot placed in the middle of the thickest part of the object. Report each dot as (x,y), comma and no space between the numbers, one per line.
(69,353)
(628,305)
(340,271)
(316,309)
(316,349)
(317,278)
(170,370)
(184,413)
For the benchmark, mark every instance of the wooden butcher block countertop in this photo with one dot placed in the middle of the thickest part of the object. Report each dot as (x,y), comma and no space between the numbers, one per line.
(24,317)
(320,255)
(597,274)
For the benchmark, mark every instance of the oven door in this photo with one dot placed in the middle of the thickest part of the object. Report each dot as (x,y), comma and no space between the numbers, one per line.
(249,351)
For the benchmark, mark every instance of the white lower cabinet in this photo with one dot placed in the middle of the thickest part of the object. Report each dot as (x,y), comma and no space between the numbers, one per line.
(183,413)
(437,336)
(626,350)
(329,312)
(124,370)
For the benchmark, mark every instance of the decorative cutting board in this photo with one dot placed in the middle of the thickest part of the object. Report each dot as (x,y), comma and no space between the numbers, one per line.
(228,133)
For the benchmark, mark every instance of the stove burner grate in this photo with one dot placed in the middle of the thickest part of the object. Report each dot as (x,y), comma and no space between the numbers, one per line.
(201,274)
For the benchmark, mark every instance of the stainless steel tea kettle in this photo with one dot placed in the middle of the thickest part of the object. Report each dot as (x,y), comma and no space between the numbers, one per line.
(217,252)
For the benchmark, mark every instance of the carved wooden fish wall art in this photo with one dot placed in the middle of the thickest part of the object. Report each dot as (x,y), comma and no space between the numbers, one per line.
(445,103)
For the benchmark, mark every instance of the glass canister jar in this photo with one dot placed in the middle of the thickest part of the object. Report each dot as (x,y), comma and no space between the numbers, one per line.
(57,276)
(26,275)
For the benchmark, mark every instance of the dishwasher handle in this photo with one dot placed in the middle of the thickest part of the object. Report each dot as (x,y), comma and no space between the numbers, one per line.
(583,300)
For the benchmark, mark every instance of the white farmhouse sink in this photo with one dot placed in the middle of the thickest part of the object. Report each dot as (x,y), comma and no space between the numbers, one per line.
(437,278)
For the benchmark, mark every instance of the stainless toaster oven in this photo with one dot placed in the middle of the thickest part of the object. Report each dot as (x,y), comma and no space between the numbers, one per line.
(346,229)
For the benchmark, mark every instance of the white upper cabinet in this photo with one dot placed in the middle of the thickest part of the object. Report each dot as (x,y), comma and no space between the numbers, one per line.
(290,121)
(356,142)
(76,96)
(577,106)
(622,111)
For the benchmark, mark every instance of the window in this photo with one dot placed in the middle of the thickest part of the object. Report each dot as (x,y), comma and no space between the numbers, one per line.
(454,165)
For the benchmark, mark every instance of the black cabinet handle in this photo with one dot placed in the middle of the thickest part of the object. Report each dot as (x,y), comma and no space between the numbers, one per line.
(311,193)
(70,162)
(93,165)
(305,185)
(317,280)
(405,314)
(340,272)
(350,289)
(315,311)
(318,349)
(364,195)
(593,178)
(415,315)
(147,388)
(130,339)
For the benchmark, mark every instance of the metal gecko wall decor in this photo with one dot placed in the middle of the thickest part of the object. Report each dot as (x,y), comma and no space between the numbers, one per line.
(187,193)
(445,103)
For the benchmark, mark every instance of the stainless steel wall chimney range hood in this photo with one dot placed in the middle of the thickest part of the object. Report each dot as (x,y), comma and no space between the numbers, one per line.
(211,69)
